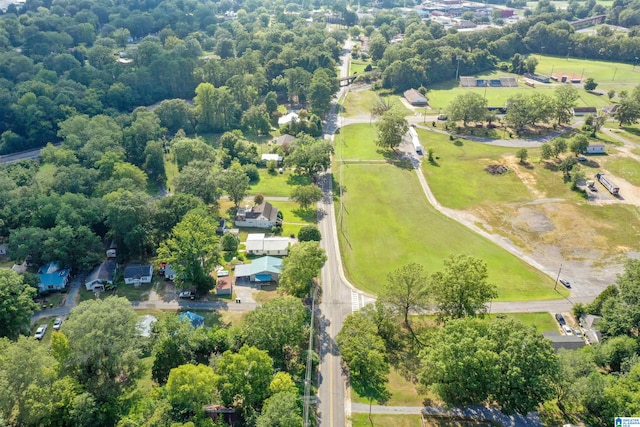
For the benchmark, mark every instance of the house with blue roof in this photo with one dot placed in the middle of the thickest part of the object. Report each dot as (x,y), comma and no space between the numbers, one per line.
(195,319)
(53,278)
(261,271)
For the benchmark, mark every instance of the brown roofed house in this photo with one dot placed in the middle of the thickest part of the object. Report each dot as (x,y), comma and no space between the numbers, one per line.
(415,98)
(224,286)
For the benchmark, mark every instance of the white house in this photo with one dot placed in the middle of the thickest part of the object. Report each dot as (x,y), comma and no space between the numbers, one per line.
(260,216)
(258,244)
(137,274)
(287,118)
(596,149)
(271,158)
(100,276)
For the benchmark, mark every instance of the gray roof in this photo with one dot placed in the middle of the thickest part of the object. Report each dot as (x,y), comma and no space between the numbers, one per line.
(567,342)
(285,139)
(135,271)
(264,209)
(103,272)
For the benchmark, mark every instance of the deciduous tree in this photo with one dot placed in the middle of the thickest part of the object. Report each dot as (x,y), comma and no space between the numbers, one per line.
(468,107)
(391,127)
(301,267)
(306,195)
(236,183)
(309,233)
(565,99)
(189,388)
(16,304)
(522,155)
(281,410)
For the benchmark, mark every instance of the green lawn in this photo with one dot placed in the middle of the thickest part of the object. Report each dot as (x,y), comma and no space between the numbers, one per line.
(600,71)
(387,222)
(171,169)
(361,103)
(458,179)
(543,322)
(381,420)
(403,392)
(357,66)
(278,184)
(356,142)
(624,167)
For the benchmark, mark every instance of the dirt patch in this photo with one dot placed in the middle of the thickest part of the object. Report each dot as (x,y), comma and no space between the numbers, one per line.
(527,179)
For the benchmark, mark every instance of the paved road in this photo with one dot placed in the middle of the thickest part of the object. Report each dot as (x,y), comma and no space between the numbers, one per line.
(24,155)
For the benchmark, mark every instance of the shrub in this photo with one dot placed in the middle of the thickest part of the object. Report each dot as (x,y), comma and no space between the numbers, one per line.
(252,172)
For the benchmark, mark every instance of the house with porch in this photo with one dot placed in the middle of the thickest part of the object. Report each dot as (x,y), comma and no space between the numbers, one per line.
(100,276)
(53,278)
(260,216)
(137,274)
(262,271)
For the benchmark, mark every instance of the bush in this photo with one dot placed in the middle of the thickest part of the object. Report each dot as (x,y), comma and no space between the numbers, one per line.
(229,242)
(252,172)
(368,67)
(309,233)
(272,166)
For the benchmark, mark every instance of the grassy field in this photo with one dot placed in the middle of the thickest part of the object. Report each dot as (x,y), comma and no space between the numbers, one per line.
(277,185)
(361,103)
(382,229)
(601,71)
(356,142)
(543,322)
(362,420)
(403,392)
(357,66)
(624,167)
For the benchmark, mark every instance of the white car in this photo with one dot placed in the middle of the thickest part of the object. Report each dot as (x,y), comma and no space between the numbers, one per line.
(567,330)
(42,329)
(57,324)
(577,332)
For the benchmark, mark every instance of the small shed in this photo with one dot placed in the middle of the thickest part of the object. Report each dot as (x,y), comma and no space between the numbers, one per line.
(271,158)
(596,149)
(195,319)
(224,286)
(112,250)
(583,111)
(415,98)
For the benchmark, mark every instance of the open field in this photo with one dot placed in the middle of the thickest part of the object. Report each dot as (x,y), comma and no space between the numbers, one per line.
(381,420)
(543,322)
(278,184)
(361,103)
(357,66)
(624,167)
(383,228)
(601,71)
(357,142)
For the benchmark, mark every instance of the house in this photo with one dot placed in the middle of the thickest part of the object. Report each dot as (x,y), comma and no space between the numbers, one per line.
(137,274)
(415,98)
(583,111)
(287,118)
(589,322)
(166,271)
(567,342)
(285,139)
(224,286)
(222,227)
(53,278)
(3,249)
(262,271)
(611,109)
(111,252)
(100,276)
(261,216)
(266,158)
(195,319)
(258,244)
(595,149)
(144,325)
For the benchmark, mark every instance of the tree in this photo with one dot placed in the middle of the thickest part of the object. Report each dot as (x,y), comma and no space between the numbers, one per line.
(461,289)
(628,111)
(229,243)
(363,355)
(309,233)
(176,114)
(236,183)
(256,119)
(258,199)
(300,268)
(192,250)
(611,94)
(530,64)
(310,155)
(128,215)
(271,102)
(565,99)
(16,304)
(621,312)
(244,378)
(546,151)
(199,179)
(579,144)
(170,211)
(104,350)
(205,105)
(187,150)
(281,410)
(323,87)
(154,161)
(189,388)
(391,127)
(280,327)
(306,195)
(408,292)
(522,155)
(559,146)
(468,107)
(510,364)
(590,84)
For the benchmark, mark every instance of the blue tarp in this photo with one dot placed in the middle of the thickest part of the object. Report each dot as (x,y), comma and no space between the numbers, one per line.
(263,277)
(195,319)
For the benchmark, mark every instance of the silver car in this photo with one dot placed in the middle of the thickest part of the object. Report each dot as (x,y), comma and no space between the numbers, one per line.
(42,329)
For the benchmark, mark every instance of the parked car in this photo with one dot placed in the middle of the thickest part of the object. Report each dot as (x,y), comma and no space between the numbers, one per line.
(42,329)
(442,117)
(565,283)
(560,319)
(567,330)
(582,159)
(187,294)
(57,323)
(577,332)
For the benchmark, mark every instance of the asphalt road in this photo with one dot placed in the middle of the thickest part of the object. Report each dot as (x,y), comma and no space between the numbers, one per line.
(24,155)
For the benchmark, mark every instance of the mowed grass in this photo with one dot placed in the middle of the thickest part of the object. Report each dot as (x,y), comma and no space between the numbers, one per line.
(388,222)
(403,392)
(624,167)
(357,66)
(356,142)
(600,71)
(543,321)
(458,179)
(362,102)
(277,184)
(383,420)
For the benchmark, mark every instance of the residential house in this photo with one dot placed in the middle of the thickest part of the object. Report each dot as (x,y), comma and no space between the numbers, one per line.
(589,323)
(222,227)
(166,271)
(258,244)
(195,319)
(266,158)
(260,216)
(583,111)
(261,271)
(285,139)
(415,98)
(595,149)
(224,286)
(100,276)
(53,278)
(137,274)
(287,118)
(567,342)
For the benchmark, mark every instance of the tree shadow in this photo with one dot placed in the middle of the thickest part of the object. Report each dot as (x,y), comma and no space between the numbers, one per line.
(337,189)
(458,142)
(633,131)
(297,179)
(307,215)
(552,166)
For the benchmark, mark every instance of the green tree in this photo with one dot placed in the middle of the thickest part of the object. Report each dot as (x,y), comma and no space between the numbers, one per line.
(579,144)
(128,216)
(323,87)
(104,351)
(205,107)
(461,289)
(301,267)
(391,127)
(176,114)
(154,161)
(363,355)
(256,119)
(621,312)
(530,64)
(189,388)
(236,183)
(187,150)
(192,250)
(628,111)
(282,383)
(306,195)
(229,243)
(611,94)
(199,179)
(310,155)
(546,151)
(309,233)
(281,410)
(271,102)
(590,84)
(565,99)
(559,146)
(468,107)
(408,292)
(170,211)
(280,327)
(16,304)
(522,155)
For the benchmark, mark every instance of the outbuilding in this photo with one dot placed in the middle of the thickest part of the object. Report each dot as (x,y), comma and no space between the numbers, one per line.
(596,149)
(415,98)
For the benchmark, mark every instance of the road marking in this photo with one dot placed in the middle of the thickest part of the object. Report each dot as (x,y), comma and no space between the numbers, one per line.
(355,301)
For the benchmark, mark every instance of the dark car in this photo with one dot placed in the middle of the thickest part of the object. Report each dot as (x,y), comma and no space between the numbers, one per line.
(560,319)
(187,294)
(565,283)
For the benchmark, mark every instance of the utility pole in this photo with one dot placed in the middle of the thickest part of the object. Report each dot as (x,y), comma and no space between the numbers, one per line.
(557,278)
(458,57)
